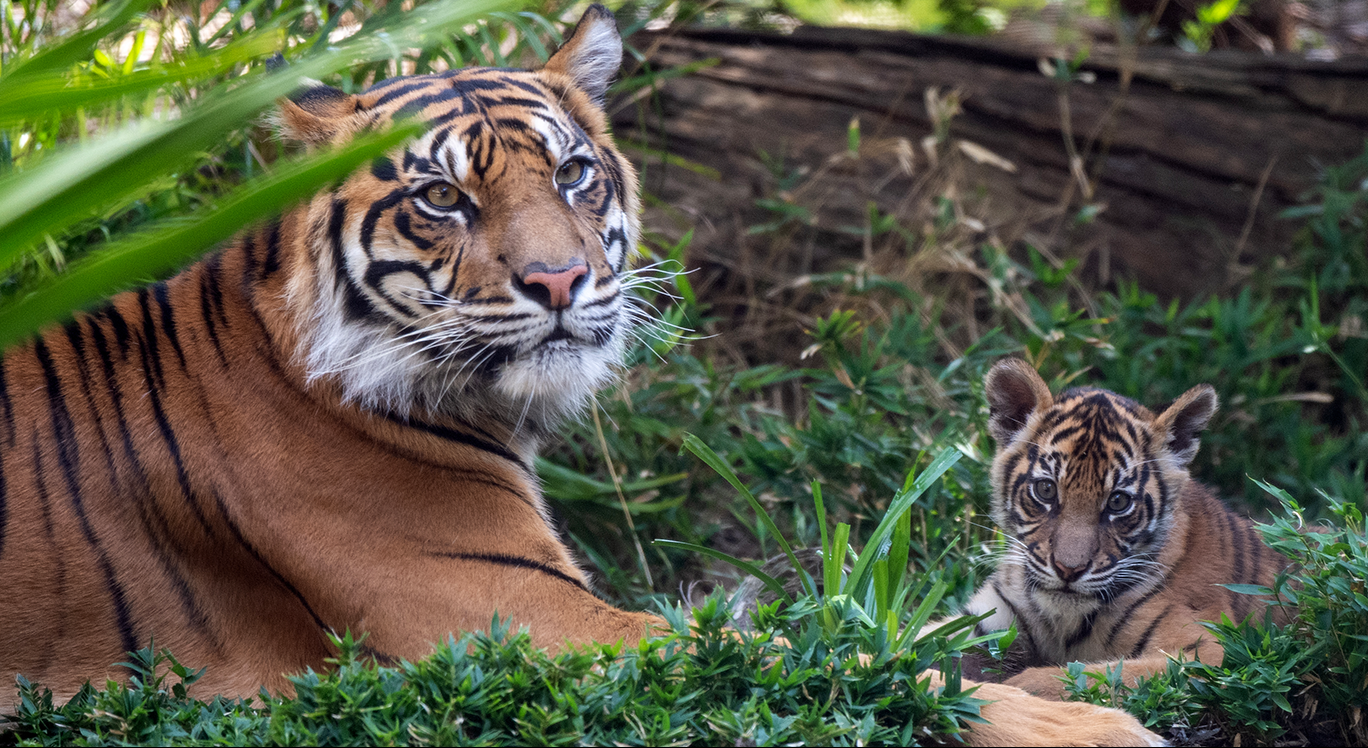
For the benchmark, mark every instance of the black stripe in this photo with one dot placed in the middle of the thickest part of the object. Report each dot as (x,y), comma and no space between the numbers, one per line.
(67,457)
(451,434)
(77,340)
(168,321)
(7,406)
(494,483)
(150,344)
(173,445)
(214,268)
(272,262)
(357,306)
(515,561)
(1084,630)
(207,313)
(1125,616)
(1144,640)
(236,531)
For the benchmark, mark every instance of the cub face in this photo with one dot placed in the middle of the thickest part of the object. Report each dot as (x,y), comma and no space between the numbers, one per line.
(480,266)
(1087,484)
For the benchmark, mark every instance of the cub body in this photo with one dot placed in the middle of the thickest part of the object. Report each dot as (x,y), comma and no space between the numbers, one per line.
(1114,551)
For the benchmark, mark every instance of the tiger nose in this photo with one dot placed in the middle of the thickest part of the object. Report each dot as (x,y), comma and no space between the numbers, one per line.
(553,288)
(1069,573)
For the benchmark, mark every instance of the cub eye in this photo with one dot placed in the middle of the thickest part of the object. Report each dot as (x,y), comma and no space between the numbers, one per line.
(1119,502)
(442,195)
(1045,490)
(570,173)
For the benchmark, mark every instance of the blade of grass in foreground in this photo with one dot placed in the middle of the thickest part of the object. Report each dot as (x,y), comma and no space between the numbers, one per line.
(858,580)
(707,455)
(146,254)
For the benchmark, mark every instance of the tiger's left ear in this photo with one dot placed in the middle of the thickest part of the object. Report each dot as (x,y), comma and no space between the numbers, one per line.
(1178,427)
(592,54)
(317,115)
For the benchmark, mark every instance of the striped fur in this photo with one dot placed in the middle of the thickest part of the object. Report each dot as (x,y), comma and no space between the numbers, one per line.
(330,423)
(1113,551)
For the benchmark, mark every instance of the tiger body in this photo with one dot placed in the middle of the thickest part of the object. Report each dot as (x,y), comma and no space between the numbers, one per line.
(329,424)
(1115,553)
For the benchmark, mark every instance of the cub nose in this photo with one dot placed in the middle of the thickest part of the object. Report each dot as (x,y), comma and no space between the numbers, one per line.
(1069,573)
(553,288)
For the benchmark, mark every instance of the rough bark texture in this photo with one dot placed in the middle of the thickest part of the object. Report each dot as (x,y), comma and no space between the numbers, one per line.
(1180,155)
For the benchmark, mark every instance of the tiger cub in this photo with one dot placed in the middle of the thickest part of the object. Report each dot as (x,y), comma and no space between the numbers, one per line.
(1115,553)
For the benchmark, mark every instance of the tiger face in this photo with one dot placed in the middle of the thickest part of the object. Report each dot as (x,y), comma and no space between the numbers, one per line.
(480,267)
(1086,485)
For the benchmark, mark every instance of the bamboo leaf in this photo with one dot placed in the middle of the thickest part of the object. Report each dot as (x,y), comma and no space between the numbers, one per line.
(146,254)
(707,455)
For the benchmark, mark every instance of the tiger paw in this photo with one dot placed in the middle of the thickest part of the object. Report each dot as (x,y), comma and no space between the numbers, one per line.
(1043,682)
(1018,718)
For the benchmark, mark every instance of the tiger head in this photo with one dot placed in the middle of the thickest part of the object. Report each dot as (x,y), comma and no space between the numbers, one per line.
(1086,485)
(479,267)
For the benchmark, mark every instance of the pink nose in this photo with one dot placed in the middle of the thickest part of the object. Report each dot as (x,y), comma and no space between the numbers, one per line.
(552,288)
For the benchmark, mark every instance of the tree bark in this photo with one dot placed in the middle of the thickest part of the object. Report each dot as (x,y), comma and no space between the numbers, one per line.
(1192,157)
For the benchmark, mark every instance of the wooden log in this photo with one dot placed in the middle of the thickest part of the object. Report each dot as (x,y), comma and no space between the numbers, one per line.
(1194,158)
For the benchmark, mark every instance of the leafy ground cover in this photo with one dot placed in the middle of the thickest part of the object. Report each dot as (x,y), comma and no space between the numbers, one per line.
(870,444)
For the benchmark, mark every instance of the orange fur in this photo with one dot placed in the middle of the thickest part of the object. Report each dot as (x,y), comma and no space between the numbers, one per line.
(330,423)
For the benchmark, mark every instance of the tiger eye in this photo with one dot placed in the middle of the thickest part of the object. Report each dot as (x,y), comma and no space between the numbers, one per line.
(1045,489)
(570,173)
(443,195)
(1119,502)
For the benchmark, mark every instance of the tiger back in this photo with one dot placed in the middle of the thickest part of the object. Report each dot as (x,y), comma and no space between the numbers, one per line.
(1114,552)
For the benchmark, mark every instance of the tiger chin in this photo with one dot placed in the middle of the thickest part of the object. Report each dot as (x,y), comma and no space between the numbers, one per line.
(329,424)
(1114,553)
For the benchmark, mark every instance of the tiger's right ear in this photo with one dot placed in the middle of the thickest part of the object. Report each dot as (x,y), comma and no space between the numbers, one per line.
(592,54)
(317,115)
(1014,391)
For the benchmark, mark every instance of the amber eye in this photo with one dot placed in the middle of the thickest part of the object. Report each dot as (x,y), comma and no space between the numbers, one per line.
(570,173)
(1119,502)
(1045,490)
(442,195)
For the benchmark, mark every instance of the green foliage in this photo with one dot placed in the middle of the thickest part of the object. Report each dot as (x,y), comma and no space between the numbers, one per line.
(704,685)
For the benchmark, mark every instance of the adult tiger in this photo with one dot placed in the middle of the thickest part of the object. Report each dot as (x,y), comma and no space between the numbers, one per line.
(329,424)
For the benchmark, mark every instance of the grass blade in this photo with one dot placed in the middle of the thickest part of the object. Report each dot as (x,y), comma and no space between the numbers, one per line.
(858,580)
(705,453)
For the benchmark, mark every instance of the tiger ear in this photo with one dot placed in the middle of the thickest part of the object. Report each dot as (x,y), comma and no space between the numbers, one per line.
(1014,391)
(592,54)
(1179,425)
(316,115)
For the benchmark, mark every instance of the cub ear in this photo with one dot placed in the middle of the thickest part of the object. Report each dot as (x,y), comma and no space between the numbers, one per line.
(1180,423)
(592,54)
(1015,391)
(316,115)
